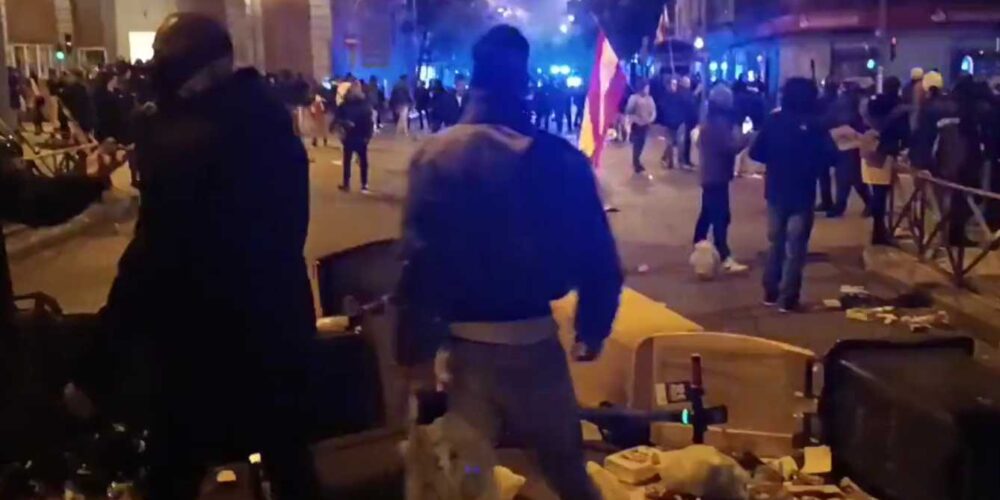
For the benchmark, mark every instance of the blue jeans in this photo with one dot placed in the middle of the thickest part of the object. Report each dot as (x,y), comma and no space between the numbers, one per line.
(788,230)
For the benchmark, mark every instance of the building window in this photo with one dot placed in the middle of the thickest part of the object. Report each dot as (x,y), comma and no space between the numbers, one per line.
(140,45)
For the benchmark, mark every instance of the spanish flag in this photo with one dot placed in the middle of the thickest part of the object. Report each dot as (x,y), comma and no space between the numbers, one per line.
(607,86)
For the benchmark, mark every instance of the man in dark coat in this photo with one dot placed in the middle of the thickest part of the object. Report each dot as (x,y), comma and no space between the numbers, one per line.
(213,287)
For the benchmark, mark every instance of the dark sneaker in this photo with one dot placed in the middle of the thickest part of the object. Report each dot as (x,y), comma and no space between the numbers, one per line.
(345,188)
(770,300)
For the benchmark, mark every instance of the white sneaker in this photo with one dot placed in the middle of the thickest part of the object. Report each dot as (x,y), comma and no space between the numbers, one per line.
(731,266)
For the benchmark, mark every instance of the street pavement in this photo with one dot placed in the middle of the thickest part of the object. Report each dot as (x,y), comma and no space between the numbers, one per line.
(653,228)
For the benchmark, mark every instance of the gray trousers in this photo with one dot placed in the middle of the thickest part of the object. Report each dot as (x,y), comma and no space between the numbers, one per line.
(525,392)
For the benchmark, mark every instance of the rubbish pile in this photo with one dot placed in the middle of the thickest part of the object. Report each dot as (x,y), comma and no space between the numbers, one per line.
(860,305)
(701,471)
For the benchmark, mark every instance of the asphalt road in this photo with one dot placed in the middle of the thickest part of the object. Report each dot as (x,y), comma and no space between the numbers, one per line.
(654,228)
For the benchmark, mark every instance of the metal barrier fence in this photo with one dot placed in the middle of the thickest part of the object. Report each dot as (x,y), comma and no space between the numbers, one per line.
(60,161)
(926,218)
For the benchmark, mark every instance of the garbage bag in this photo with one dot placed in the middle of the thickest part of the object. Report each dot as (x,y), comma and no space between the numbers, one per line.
(703,471)
(705,260)
(606,483)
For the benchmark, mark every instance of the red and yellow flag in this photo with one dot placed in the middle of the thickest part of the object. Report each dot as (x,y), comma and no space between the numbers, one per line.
(607,86)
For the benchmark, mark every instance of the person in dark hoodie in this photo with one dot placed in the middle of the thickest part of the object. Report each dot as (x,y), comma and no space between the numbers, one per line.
(355,116)
(213,289)
(796,148)
(495,217)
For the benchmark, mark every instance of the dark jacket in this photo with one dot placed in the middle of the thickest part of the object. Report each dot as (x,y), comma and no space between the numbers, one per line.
(495,218)
(77,101)
(422,96)
(718,147)
(444,107)
(671,109)
(355,116)
(213,291)
(401,95)
(934,110)
(795,148)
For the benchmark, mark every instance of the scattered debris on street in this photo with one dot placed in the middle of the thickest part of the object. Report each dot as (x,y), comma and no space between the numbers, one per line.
(701,471)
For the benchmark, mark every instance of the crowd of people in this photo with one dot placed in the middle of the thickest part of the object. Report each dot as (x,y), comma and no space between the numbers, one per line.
(212,292)
(214,284)
(861,134)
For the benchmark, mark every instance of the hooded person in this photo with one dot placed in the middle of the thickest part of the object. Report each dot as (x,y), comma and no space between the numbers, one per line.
(212,293)
(796,148)
(719,142)
(495,219)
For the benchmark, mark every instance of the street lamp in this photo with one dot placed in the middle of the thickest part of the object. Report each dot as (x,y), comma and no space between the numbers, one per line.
(699,43)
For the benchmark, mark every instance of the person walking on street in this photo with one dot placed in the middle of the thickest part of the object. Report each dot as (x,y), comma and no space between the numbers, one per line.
(422,98)
(376,99)
(888,119)
(401,102)
(36,91)
(495,217)
(847,126)
(719,142)
(670,116)
(355,116)
(216,262)
(826,109)
(689,109)
(641,111)
(77,106)
(318,121)
(795,147)
(543,105)
(561,104)
(444,110)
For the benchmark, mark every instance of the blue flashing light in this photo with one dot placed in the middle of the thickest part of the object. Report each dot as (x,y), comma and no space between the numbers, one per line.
(574,82)
(564,28)
(685,417)
(699,43)
(871,64)
(60,55)
(751,76)
(713,66)
(968,65)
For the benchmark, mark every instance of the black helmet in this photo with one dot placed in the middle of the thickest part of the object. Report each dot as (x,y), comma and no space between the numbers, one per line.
(10,149)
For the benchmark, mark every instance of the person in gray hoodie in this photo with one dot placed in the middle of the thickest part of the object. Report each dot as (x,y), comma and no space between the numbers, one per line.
(719,144)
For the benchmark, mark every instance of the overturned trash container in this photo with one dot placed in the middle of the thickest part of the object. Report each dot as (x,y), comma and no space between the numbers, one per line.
(913,420)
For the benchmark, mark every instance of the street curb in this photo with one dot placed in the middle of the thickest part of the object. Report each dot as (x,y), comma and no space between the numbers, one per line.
(967,309)
(37,240)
